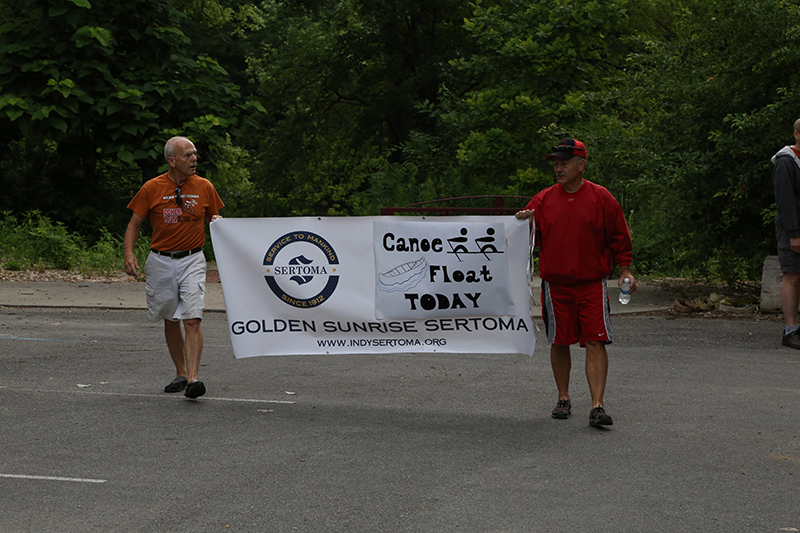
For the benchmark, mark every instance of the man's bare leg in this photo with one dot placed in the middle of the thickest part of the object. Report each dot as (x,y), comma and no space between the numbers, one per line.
(175,344)
(596,371)
(193,347)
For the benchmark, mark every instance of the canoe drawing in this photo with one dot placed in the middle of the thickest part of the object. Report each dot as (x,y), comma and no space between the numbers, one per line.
(403,277)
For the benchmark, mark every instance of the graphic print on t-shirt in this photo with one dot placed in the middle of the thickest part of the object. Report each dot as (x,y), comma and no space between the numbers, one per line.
(172,215)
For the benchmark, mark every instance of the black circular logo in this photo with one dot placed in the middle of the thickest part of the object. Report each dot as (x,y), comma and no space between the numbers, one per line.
(301,269)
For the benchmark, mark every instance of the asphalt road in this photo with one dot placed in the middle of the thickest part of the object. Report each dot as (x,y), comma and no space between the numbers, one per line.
(705,437)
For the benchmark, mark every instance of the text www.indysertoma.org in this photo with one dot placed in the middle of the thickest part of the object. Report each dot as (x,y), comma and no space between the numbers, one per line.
(378,343)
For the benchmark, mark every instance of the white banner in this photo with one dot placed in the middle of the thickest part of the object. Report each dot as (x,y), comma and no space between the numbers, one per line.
(375,285)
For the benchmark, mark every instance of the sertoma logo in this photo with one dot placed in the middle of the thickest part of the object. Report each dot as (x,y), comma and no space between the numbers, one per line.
(302,269)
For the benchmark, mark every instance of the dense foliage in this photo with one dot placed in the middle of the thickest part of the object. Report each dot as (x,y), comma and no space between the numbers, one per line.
(339,107)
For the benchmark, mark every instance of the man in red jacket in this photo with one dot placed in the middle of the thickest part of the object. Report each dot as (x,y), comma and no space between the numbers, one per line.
(581,234)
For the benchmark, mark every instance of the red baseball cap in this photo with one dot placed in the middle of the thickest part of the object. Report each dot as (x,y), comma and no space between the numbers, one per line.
(568,148)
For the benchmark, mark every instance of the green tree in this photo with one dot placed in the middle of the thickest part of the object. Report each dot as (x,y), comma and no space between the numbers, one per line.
(720,97)
(530,73)
(340,83)
(88,93)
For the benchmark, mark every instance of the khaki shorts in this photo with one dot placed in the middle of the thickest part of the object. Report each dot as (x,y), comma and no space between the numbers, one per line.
(175,288)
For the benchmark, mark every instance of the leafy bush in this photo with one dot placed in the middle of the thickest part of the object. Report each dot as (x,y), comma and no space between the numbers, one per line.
(13,266)
(36,241)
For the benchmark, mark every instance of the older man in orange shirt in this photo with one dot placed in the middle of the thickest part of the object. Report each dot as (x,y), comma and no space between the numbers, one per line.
(178,205)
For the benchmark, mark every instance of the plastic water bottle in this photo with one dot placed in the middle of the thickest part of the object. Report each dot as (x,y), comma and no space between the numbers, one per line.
(625,291)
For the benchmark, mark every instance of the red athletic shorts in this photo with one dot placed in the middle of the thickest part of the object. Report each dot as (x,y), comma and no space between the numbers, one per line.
(576,313)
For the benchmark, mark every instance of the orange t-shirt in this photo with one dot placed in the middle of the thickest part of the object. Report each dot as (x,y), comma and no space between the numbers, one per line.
(176,229)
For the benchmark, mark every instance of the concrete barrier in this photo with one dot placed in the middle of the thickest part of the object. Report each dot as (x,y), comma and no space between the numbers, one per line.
(771,278)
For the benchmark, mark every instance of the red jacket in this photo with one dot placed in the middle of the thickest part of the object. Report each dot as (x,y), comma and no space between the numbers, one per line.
(580,235)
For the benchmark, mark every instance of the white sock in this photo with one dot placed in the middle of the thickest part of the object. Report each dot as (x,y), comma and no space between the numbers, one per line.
(790,329)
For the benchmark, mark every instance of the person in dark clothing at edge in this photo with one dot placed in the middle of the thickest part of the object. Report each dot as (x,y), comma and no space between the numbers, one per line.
(581,233)
(786,180)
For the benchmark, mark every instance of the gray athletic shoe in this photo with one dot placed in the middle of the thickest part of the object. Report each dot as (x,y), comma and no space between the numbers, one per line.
(598,417)
(562,409)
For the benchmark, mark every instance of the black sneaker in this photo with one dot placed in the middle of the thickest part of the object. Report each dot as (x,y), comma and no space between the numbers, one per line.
(195,389)
(176,385)
(598,417)
(562,409)
(792,340)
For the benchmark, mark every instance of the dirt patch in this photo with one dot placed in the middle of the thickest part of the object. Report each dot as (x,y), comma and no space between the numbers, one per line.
(691,289)
(672,314)
(63,276)
(69,276)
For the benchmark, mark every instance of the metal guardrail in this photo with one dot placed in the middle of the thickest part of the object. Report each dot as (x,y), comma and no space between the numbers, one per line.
(499,206)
